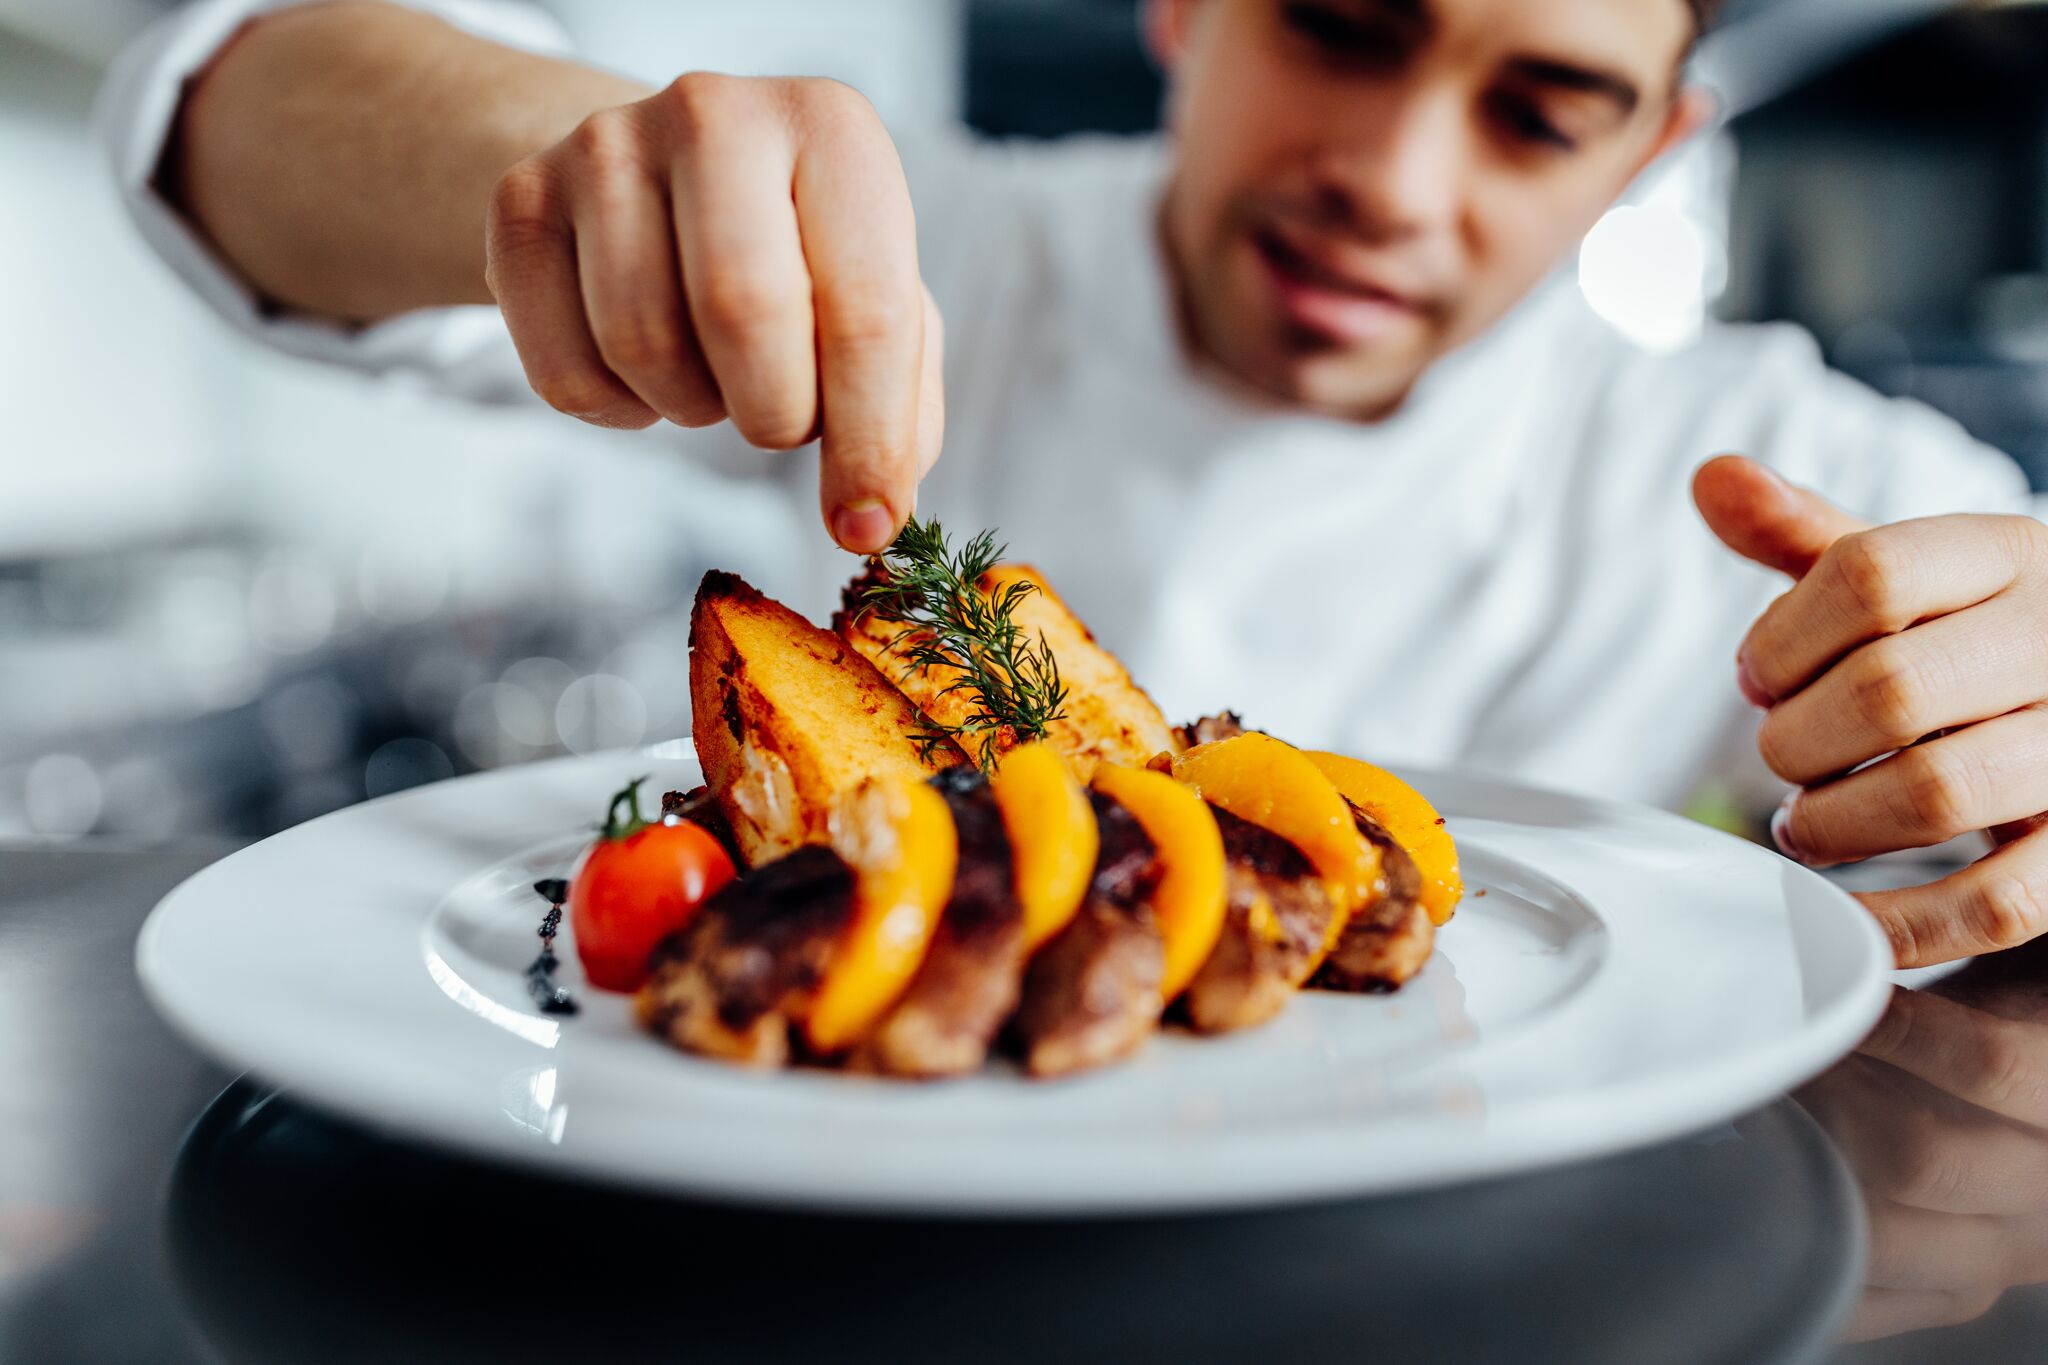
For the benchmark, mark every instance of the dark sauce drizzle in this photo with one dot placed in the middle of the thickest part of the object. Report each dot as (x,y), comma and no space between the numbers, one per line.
(548,995)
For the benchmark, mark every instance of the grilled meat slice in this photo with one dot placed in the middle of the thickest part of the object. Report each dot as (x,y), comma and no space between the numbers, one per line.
(1386,943)
(971,976)
(1224,725)
(731,983)
(1275,915)
(1091,995)
(699,805)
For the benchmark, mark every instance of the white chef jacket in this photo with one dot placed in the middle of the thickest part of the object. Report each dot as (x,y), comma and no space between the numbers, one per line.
(1506,576)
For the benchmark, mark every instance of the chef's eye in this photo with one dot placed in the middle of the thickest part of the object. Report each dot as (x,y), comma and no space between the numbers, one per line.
(1525,121)
(1341,35)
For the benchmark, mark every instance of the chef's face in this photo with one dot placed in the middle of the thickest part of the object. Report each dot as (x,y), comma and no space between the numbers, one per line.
(1363,185)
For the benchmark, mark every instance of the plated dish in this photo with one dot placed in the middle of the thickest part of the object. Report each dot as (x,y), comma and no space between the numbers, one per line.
(954,826)
(1613,976)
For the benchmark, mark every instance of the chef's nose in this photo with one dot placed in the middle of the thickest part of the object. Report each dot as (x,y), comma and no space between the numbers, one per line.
(1399,169)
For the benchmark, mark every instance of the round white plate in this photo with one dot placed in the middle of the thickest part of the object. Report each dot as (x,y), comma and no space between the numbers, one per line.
(1615,976)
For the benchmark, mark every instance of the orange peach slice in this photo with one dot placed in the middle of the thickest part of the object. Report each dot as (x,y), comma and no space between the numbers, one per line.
(1414,823)
(1274,785)
(898,837)
(1052,833)
(1188,901)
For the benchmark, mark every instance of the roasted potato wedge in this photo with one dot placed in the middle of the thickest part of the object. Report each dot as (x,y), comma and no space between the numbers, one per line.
(787,719)
(1109,718)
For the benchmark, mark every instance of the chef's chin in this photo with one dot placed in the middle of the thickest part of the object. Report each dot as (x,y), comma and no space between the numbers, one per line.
(1358,382)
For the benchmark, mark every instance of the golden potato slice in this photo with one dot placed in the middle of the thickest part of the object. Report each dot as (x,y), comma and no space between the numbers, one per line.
(787,719)
(1109,718)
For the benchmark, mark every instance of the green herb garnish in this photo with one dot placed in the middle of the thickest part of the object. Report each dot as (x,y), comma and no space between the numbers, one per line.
(1014,682)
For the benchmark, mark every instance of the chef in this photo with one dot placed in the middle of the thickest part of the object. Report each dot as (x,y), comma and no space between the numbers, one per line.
(1291,401)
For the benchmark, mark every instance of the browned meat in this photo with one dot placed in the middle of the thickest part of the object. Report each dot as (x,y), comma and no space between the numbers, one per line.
(1210,728)
(1092,994)
(699,806)
(972,972)
(1387,943)
(731,983)
(1275,917)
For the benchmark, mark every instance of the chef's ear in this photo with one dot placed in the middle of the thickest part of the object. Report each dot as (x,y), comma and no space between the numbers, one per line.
(1166,29)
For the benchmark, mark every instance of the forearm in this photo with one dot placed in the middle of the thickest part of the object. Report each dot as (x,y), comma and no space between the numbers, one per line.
(342,156)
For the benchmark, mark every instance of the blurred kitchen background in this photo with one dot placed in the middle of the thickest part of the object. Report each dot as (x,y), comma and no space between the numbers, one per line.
(237,591)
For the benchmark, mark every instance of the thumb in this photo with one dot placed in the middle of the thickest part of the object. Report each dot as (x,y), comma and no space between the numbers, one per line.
(1763,518)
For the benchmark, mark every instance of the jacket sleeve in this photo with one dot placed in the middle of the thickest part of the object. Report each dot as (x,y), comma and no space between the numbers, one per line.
(464,351)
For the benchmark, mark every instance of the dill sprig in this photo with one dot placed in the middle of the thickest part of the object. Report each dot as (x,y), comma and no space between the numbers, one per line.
(1014,682)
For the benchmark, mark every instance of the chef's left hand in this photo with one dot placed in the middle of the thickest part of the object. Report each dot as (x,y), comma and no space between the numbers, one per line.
(1923,644)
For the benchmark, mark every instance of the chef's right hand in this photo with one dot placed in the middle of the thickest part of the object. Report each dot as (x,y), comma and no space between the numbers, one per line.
(732,249)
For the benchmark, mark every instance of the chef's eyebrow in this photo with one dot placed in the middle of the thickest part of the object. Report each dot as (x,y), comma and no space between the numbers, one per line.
(1606,84)
(1609,85)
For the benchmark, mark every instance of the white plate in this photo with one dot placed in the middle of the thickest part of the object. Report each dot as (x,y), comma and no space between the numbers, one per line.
(1615,976)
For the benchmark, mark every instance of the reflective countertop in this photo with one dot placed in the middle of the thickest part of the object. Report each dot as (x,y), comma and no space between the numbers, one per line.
(154,1208)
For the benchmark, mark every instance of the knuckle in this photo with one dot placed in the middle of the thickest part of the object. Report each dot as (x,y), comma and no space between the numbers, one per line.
(1773,741)
(641,342)
(708,412)
(524,203)
(1941,791)
(700,99)
(2009,911)
(1891,695)
(2004,1072)
(1875,573)
(1904,934)
(577,391)
(779,425)
(606,141)
(1924,1170)
(866,467)
(744,305)
(869,315)
(831,100)
(2028,536)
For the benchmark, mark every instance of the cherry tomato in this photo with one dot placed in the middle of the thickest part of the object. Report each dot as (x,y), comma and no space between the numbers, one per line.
(638,884)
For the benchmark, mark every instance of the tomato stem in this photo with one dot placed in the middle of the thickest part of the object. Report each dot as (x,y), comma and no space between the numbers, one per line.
(629,797)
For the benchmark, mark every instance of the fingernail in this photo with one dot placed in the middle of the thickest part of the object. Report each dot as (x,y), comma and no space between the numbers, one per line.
(1781,830)
(863,525)
(1752,690)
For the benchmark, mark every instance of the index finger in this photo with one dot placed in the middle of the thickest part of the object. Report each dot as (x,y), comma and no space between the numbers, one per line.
(1878,582)
(860,239)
